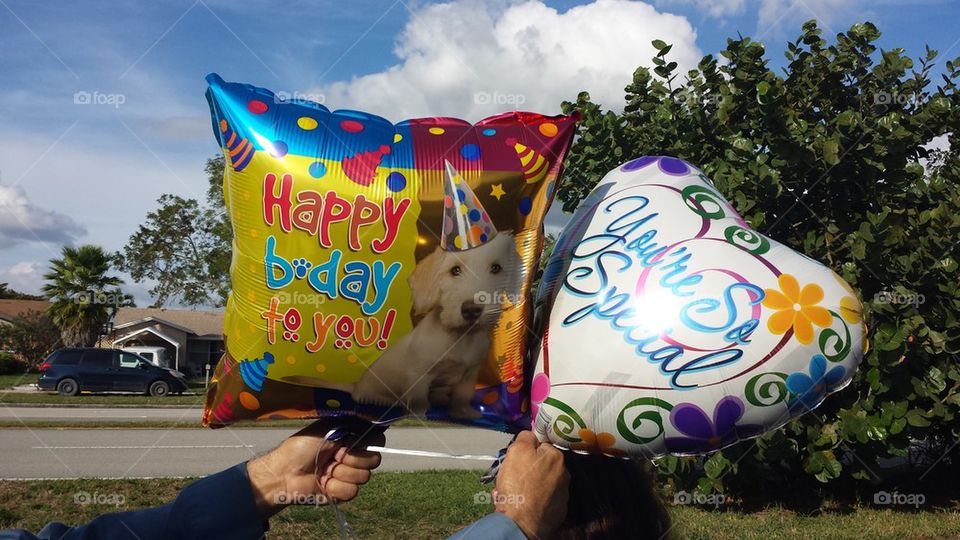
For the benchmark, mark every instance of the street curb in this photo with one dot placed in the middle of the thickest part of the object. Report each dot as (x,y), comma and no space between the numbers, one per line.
(97,406)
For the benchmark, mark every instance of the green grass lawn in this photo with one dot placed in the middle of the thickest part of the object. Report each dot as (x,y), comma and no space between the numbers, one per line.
(6,381)
(775,522)
(99,399)
(435,504)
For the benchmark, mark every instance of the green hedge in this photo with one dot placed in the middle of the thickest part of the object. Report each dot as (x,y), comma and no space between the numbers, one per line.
(829,158)
(10,365)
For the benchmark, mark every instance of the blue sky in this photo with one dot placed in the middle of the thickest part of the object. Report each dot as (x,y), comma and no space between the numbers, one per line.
(88,173)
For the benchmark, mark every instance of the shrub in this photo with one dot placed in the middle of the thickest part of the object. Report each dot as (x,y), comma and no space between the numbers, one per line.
(9,365)
(830,159)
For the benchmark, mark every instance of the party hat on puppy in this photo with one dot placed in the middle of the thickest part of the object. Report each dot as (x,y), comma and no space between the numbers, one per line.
(466,223)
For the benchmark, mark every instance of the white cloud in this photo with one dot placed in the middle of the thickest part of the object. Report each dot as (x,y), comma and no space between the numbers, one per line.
(24,276)
(941,142)
(466,58)
(22,221)
(107,180)
(27,277)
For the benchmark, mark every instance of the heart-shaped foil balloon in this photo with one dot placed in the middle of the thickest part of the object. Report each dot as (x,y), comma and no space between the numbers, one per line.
(669,326)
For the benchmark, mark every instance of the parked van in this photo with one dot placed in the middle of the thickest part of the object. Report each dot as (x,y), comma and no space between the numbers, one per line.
(71,371)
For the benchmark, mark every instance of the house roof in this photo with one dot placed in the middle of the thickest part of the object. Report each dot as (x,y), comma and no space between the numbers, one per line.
(147,330)
(201,323)
(10,309)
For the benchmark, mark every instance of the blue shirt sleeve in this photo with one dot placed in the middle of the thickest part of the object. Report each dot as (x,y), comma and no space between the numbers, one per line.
(495,526)
(218,506)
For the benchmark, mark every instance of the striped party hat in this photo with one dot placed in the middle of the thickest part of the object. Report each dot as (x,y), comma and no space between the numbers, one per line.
(465,222)
(239,150)
(255,371)
(534,165)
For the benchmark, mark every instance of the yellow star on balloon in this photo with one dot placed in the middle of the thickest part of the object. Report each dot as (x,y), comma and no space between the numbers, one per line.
(497,191)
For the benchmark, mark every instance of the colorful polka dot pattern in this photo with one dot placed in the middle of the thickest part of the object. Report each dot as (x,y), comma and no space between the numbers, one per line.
(466,224)
(462,182)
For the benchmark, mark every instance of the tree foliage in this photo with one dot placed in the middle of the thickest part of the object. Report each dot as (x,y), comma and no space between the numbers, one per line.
(31,337)
(183,247)
(826,157)
(83,296)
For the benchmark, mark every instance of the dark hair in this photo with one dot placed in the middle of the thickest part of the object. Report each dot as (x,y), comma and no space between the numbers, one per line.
(612,498)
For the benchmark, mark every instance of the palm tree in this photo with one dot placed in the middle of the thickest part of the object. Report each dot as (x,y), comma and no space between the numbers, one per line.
(83,297)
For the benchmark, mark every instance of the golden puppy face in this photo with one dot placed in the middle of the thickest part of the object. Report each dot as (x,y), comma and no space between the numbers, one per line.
(468,288)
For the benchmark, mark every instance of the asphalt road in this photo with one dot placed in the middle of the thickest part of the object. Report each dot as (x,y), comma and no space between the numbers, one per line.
(92,414)
(139,453)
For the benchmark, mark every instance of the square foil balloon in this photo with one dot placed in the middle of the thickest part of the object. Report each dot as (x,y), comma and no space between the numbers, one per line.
(378,269)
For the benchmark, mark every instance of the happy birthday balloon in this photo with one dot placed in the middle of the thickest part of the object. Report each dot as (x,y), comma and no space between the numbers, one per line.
(669,326)
(378,269)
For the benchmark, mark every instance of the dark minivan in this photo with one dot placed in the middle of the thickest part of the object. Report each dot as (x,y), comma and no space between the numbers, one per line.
(71,371)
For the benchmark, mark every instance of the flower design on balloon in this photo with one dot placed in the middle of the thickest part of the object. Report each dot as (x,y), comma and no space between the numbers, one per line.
(597,443)
(539,391)
(796,308)
(809,389)
(851,310)
(669,165)
(850,307)
(703,434)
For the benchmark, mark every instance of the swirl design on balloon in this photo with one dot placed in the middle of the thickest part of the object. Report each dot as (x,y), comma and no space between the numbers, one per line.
(750,241)
(766,389)
(630,432)
(830,340)
(703,201)
(565,425)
